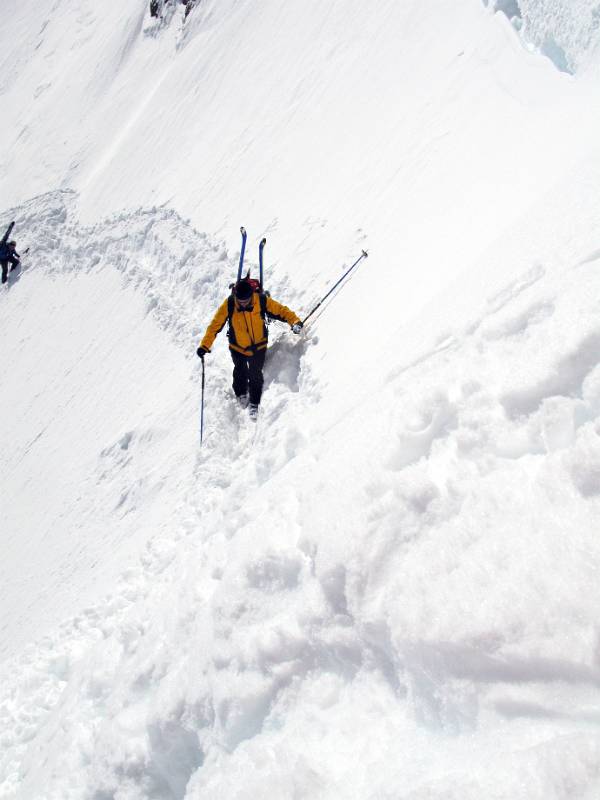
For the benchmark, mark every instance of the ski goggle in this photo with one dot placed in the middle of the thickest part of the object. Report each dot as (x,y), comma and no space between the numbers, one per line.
(244,302)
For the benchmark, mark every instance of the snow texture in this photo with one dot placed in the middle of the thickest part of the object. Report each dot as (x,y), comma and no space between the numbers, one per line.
(565,32)
(387,587)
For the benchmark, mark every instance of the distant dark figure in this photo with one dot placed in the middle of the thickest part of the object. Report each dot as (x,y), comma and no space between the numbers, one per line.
(156,6)
(8,254)
(189,4)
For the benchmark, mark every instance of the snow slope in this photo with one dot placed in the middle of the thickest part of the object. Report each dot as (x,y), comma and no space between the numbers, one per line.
(388,588)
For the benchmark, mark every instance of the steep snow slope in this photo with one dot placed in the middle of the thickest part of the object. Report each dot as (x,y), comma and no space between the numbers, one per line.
(93,449)
(318,126)
(401,589)
(387,589)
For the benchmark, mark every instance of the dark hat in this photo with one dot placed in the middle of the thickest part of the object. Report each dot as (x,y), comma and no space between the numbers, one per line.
(243,290)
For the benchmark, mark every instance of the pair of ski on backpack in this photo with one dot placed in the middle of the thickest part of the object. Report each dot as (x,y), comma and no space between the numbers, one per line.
(256,284)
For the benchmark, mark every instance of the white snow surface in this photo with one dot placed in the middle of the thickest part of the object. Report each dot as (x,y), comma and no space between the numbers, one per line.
(389,586)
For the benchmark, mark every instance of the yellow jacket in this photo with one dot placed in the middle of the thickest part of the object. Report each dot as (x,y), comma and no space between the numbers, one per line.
(247,329)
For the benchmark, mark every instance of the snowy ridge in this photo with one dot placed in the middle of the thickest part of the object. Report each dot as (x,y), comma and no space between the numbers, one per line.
(432,600)
(154,249)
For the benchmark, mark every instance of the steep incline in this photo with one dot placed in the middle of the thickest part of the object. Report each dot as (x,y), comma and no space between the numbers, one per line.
(103,418)
(390,590)
(320,127)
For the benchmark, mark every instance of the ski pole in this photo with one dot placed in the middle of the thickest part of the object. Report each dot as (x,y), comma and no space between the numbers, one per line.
(348,271)
(243,232)
(202,406)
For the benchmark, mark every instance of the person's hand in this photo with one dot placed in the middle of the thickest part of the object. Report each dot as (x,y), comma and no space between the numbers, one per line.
(201,352)
(297,327)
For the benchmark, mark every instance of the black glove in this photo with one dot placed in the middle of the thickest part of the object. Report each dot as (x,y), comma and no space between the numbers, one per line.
(201,352)
(297,327)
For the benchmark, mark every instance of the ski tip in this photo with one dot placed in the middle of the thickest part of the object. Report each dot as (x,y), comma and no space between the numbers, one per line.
(263,242)
(243,230)
(365,254)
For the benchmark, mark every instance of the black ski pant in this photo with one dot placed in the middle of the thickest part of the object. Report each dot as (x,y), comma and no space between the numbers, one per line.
(4,263)
(248,374)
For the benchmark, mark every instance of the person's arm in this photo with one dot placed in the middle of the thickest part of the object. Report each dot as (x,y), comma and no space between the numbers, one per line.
(219,319)
(278,311)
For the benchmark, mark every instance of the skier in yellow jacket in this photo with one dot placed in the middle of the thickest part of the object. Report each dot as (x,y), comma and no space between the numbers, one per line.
(247,311)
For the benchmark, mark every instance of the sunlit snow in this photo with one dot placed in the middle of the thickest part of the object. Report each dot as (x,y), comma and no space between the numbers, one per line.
(388,588)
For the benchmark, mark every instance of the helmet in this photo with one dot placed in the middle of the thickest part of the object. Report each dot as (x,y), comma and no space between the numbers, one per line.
(243,290)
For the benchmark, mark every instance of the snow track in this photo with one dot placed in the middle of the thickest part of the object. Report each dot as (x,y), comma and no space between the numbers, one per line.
(182,277)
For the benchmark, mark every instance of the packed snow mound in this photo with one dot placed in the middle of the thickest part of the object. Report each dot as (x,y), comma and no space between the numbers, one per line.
(567,31)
